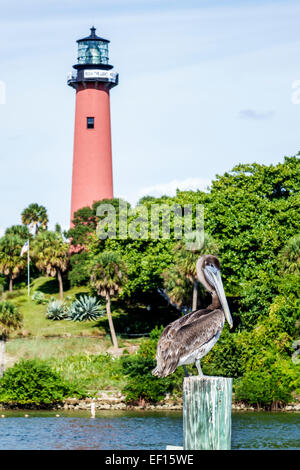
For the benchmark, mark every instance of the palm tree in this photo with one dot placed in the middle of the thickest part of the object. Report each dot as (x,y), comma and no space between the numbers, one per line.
(10,319)
(177,287)
(290,255)
(184,268)
(20,230)
(11,263)
(51,255)
(35,216)
(108,274)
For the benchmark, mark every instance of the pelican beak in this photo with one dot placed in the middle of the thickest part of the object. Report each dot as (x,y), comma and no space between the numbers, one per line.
(214,277)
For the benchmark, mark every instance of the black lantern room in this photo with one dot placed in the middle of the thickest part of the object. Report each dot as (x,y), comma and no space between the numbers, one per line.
(92,56)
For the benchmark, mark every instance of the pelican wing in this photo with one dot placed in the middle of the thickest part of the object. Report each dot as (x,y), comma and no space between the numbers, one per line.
(184,339)
(173,327)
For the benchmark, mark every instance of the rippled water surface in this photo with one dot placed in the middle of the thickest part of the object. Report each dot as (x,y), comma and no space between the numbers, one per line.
(138,430)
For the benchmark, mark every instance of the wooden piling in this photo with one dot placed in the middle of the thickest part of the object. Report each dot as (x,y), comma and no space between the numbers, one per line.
(207,413)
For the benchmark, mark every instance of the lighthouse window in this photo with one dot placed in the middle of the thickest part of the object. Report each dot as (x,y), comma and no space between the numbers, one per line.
(90,123)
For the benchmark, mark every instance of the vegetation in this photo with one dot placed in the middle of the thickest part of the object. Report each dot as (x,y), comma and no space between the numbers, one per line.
(51,255)
(10,320)
(35,217)
(33,382)
(251,222)
(39,297)
(85,308)
(108,273)
(56,310)
(183,272)
(11,263)
(142,385)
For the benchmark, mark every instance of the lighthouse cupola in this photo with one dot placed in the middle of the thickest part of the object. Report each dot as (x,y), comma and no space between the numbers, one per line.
(93,50)
(93,62)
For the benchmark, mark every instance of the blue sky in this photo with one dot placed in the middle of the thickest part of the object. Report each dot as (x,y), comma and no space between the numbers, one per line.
(204,85)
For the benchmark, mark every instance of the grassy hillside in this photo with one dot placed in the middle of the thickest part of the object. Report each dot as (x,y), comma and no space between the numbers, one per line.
(80,351)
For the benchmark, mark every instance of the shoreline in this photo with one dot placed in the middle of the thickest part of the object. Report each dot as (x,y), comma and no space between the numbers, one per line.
(117,403)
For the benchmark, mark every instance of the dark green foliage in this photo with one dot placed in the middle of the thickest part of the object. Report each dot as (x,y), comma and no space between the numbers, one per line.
(253,211)
(268,387)
(256,299)
(79,273)
(224,359)
(34,382)
(142,385)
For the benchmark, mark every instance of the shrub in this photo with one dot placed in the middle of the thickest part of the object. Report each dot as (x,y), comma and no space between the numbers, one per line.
(225,358)
(79,274)
(13,295)
(10,318)
(141,383)
(270,387)
(56,310)
(34,382)
(85,309)
(39,297)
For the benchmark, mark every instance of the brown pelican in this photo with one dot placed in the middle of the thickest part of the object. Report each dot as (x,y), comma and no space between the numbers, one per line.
(188,339)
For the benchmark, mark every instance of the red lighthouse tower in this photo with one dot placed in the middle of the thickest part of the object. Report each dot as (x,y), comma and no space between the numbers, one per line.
(92,178)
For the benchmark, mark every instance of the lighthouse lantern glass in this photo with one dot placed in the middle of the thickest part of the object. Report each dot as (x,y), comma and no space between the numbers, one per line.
(93,52)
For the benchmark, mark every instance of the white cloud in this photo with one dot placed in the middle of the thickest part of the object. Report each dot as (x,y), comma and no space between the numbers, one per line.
(255,115)
(169,188)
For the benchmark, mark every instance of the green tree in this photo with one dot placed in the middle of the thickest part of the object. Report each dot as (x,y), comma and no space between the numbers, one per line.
(51,255)
(10,320)
(290,256)
(251,212)
(185,269)
(85,220)
(79,273)
(35,217)
(108,274)
(11,263)
(20,230)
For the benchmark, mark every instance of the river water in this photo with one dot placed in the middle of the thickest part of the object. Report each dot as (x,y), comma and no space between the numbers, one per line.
(138,430)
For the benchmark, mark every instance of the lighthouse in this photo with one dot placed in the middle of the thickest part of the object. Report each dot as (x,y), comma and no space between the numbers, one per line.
(92,178)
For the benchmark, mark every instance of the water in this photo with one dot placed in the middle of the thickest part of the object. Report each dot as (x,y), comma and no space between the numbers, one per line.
(133,430)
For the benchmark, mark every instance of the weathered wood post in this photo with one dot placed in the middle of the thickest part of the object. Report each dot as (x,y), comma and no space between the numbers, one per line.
(207,413)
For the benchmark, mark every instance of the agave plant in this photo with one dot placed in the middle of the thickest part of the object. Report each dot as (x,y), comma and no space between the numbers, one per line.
(56,310)
(39,297)
(85,309)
